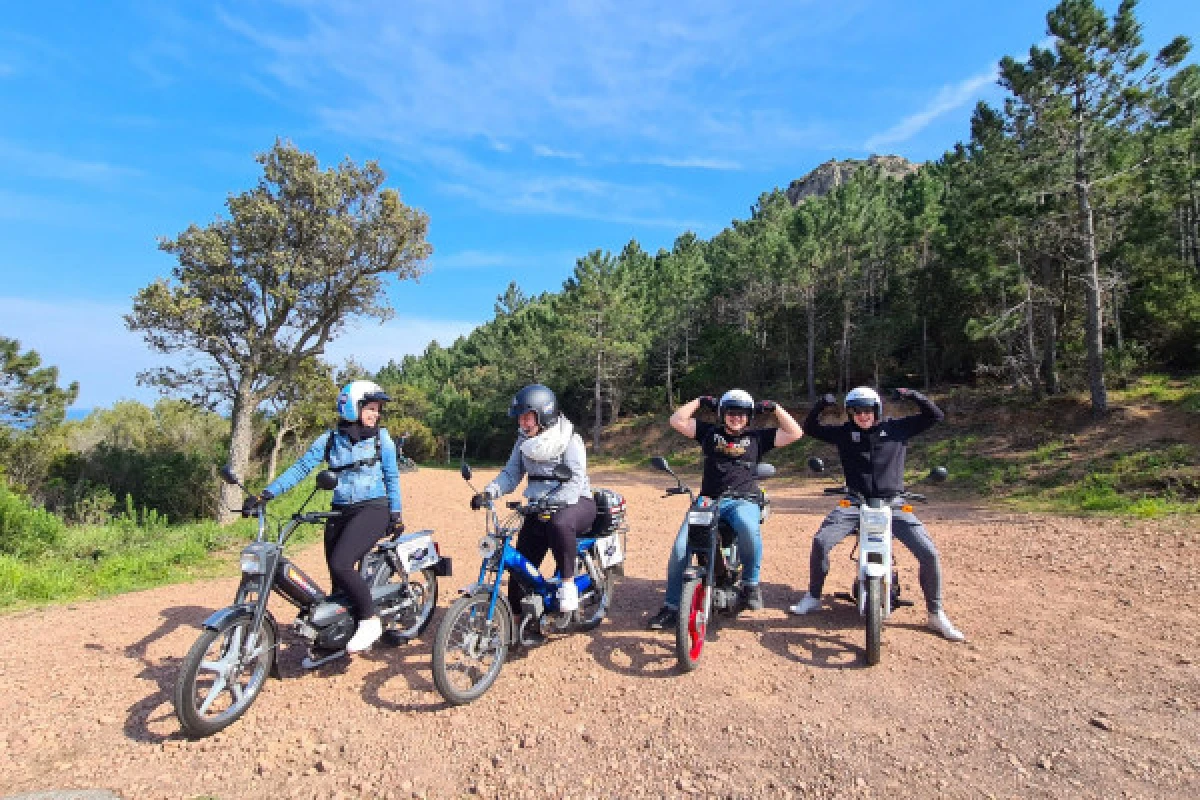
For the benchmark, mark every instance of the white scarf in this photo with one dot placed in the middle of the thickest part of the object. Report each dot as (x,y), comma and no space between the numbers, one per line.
(550,443)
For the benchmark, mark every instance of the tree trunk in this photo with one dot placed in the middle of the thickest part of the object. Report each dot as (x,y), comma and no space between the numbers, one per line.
(276,447)
(810,375)
(1093,330)
(1031,343)
(925,351)
(670,376)
(1050,331)
(599,416)
(241,439)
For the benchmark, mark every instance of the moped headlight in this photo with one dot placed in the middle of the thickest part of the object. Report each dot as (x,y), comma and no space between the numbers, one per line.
(700,517)
(252,562)
(488,547)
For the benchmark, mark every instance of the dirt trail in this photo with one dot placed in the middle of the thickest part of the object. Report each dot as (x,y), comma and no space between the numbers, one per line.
(1080,679)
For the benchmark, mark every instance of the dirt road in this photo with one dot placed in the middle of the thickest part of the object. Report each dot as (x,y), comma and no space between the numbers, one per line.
(1080,679)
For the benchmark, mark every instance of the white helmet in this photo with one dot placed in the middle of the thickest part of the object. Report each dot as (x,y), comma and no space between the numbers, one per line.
(864,397)
(354,394)
(738,399)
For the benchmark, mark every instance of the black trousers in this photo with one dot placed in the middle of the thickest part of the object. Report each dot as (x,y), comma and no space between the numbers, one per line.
(347,539)
(557,534)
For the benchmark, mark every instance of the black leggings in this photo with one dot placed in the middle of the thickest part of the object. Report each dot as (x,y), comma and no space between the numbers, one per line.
(558,534)
(347,539)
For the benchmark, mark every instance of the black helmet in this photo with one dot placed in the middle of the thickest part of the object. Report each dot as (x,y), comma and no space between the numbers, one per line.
(538,399)
(736,400)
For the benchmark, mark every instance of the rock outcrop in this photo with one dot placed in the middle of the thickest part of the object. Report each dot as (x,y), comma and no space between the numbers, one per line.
(833,173)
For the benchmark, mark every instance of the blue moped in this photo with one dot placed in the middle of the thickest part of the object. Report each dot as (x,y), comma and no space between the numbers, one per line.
(474,636)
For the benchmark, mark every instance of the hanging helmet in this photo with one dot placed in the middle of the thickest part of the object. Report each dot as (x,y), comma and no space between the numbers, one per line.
(864,397)
(538,399)
(354,394)
(736,399)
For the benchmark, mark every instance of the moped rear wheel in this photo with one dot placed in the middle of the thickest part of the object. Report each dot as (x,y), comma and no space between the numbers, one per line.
(594,608)
(469,650)
(874,619)
(692,629)
(417,611)
(218,682)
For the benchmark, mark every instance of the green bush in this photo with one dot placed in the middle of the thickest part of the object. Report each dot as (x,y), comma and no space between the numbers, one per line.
(26,531)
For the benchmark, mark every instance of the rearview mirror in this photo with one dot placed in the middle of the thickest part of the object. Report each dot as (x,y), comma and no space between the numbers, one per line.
(764,470)
(229,476)
(465,471)
(816,464)
(660,464)
(938,474)
(327,480)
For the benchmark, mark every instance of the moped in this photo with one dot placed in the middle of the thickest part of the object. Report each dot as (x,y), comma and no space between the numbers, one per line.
(876,589)
(226,668)
(474,636)
(713,572)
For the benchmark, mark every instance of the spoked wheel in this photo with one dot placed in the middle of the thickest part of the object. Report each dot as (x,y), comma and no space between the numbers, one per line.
(469,650)
(220,678)
(692,629)
(593,607)
(874,619)
(416,605)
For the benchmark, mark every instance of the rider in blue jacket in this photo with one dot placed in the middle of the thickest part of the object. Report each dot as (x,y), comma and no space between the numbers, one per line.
(367,494)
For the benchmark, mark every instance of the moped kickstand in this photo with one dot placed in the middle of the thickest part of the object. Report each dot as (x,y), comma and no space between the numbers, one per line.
(310,663)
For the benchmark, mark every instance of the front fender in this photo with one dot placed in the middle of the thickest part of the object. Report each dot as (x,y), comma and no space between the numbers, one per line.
(221,616)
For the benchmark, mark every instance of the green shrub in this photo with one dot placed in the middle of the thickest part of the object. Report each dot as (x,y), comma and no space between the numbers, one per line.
(24,530)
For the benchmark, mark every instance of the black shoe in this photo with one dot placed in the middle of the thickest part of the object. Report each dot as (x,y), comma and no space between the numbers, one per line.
(665,619)
(752,597)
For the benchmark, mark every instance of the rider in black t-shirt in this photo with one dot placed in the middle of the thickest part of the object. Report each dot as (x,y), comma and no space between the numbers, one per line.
(730,455)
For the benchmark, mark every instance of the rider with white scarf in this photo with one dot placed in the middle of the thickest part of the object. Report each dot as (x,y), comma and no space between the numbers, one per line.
(545,439)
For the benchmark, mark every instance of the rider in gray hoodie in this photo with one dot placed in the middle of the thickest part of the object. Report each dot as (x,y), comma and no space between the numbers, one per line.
(545,439)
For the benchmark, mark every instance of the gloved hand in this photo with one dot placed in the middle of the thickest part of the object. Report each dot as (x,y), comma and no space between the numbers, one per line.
(826,400)
(479,500)
(708,401)
(902,394)
(764,406)
(254,502)
(396,524)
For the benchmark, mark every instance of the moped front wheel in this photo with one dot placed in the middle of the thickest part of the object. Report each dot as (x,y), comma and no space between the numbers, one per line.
(691,630)
(221,676)
(469,649)
(417,604)
(874,619)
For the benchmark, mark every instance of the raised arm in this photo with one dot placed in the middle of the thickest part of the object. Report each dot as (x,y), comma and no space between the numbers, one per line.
(789,430)
(683,420)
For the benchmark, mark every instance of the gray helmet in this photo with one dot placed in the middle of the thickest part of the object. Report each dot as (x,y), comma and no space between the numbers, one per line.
(538,399)
(736,400)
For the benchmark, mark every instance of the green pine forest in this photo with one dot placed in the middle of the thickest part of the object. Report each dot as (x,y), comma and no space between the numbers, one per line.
(1053,257)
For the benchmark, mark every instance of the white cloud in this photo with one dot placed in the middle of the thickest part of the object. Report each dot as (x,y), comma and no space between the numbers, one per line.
(949,98)
(542,151)
(46,164)
(691,163)
(88,343)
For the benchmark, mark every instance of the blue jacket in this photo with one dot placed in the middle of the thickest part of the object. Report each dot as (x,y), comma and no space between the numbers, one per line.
(381,479)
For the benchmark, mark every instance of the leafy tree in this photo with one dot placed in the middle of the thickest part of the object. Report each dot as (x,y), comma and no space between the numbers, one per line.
(258,293)
(29,393)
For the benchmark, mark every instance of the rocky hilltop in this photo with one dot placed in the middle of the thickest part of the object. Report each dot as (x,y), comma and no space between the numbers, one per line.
(834,173)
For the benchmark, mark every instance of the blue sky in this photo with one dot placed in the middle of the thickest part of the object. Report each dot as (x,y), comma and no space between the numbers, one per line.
(530,132)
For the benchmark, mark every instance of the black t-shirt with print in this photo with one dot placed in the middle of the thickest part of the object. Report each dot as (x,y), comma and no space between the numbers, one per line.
(729,460)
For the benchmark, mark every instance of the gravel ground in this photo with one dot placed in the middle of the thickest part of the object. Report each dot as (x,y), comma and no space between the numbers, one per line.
(1079,679)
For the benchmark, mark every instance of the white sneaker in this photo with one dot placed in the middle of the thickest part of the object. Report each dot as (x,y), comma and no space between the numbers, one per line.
(942,624)
(568,596)
(369,631)
(807,605)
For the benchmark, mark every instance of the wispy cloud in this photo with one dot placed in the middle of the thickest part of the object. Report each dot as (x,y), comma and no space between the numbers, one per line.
(949,98)
(69,334)
(690,163)
(541,151)
(55,166)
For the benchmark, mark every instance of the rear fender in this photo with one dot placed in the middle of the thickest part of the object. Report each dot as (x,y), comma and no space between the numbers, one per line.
(230,613)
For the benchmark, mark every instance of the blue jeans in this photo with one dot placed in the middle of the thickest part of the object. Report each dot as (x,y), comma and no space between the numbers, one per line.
(741,515)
